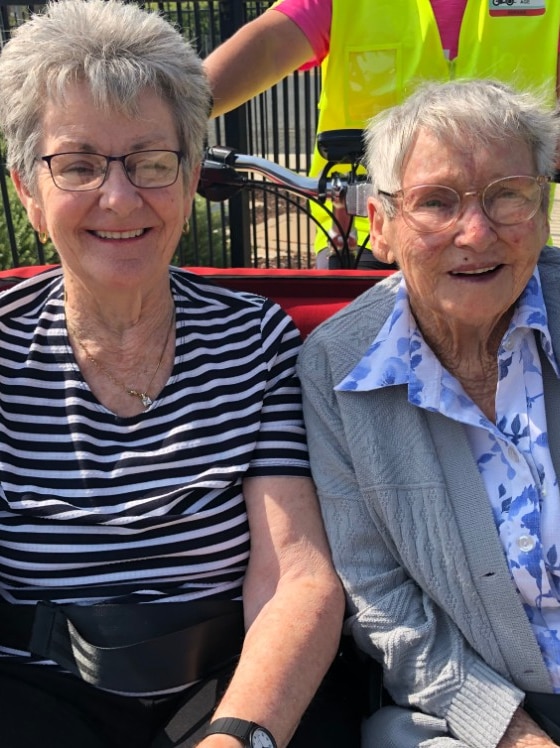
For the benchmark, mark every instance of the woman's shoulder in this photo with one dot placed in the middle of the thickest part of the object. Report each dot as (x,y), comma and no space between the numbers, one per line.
(195,286)
(360,317)
(35,290)
(202,299)
(549,259)
(344,337)
(549,272)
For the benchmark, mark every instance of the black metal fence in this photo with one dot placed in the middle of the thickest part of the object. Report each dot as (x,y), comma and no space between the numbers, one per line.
(252,228)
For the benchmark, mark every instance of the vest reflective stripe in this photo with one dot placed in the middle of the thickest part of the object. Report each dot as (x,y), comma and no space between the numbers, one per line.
(380,49)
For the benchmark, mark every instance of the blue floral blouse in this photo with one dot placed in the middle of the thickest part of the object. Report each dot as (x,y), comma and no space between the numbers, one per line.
(512,454)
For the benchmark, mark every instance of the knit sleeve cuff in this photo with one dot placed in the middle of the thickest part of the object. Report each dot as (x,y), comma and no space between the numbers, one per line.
(483,708)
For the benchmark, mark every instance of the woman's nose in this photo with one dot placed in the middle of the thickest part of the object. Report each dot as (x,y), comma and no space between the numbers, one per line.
(473,226)
(117,192)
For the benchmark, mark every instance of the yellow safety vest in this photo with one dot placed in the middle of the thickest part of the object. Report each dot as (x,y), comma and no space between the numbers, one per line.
(381,49)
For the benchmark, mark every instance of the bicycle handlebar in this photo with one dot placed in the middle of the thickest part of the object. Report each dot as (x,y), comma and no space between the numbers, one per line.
(303,185)
(224,172)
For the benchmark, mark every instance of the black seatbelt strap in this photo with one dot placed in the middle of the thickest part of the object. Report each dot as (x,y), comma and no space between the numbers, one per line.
(139,648)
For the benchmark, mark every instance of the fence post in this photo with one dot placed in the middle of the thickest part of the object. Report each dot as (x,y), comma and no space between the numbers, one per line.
(232,17)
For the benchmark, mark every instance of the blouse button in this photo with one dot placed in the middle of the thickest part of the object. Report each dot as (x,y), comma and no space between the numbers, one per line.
(526,542)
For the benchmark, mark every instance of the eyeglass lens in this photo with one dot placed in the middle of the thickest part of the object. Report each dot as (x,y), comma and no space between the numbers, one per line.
(87,171)
(507,201)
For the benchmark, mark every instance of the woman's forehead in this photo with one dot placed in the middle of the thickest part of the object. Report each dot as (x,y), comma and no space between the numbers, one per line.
(79,122)
(433,158)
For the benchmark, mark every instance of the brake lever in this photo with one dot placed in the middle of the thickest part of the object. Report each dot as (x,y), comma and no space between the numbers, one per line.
(219,182)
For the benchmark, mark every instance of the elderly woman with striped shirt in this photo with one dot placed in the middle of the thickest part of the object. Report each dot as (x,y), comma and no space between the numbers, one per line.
(155,498)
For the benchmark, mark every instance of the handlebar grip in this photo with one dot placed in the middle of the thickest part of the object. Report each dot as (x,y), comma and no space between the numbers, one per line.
(221,154)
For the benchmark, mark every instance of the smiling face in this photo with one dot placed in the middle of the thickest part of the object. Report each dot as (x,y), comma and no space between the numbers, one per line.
(467,277)
(117,236)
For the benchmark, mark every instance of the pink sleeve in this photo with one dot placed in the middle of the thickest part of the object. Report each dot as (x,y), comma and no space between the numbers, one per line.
(314,18)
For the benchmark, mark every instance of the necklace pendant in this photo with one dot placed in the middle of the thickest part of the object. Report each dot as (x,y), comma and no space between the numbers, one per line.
(146,400)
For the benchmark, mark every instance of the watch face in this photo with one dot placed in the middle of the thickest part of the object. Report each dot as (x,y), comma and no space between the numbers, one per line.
(261,739)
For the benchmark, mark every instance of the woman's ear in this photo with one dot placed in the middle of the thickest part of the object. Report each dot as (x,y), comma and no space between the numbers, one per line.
(378,233)
(29,202)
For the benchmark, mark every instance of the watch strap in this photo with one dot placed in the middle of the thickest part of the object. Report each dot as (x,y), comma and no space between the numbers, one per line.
(241,729)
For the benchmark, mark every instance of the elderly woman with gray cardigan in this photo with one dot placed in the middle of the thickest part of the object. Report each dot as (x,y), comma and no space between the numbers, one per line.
(432,411)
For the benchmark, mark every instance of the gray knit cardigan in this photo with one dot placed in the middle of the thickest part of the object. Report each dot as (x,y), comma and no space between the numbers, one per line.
(413,537)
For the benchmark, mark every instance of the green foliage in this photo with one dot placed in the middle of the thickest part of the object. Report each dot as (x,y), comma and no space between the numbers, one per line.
(198,21)
(206,242)
(28,249)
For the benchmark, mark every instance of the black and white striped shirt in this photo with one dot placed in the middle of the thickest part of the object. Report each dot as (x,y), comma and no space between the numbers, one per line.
(96,507)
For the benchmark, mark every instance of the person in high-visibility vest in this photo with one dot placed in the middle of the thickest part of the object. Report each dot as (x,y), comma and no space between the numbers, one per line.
(374,52)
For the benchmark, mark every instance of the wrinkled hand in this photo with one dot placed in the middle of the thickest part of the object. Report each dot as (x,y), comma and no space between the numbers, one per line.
(523,732)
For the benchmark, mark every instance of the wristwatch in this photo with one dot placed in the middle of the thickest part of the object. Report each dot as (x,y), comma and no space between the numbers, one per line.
(249,733)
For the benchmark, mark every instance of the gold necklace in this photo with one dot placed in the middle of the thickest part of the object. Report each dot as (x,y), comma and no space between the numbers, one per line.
(144,398)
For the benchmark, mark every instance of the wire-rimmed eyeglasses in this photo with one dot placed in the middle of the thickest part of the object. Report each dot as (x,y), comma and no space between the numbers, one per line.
(428,208)
(82,171)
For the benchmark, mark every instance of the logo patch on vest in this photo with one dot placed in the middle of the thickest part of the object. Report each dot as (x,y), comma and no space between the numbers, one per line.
(517,7)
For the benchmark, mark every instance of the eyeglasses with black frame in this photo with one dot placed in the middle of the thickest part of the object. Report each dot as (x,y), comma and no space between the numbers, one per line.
(508,201)
(83,171)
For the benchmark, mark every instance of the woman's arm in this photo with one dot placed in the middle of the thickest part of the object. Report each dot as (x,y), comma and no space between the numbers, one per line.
(293,605)
(524,733)
(256,57)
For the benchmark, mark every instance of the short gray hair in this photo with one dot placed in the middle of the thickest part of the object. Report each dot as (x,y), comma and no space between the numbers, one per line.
(119,50)
(465,113)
